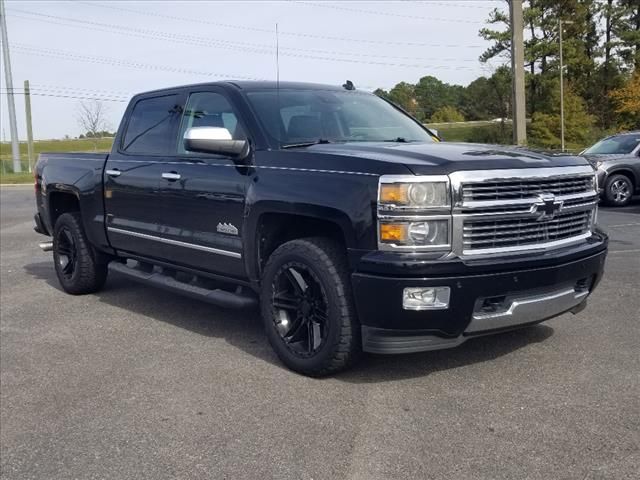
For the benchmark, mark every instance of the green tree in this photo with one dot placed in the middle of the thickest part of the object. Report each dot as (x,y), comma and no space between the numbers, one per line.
(446,114)
(403,94)
(433,94)
(626,28)
(544,130)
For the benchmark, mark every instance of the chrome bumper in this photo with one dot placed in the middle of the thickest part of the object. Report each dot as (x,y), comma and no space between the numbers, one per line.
(523,309)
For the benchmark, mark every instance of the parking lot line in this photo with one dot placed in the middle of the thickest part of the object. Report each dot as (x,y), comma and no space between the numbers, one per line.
(624,225)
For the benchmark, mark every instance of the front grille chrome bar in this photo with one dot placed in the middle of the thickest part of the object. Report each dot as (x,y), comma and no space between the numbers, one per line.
(500,212)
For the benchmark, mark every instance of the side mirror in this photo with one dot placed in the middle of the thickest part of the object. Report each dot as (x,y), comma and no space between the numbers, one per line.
(215,140)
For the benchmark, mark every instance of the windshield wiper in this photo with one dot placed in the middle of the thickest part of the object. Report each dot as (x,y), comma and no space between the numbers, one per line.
(320,141)
(399,140)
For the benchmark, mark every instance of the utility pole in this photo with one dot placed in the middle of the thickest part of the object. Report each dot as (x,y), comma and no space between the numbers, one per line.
(517,72)
(560,23)
(13,128)
(27,110)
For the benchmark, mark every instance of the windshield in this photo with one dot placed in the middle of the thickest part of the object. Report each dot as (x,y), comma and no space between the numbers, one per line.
(294,117)
(620,145)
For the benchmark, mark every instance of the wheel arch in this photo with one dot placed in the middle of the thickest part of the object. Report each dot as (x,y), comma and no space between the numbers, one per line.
(61,201)
(273,227)
(627,172)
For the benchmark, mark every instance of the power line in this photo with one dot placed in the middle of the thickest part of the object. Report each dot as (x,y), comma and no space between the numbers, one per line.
(201,41)
(208,41)
(467,4)
(41,86)
(73,91)
(49,52)
(106,99)
(282,33)
(385,14)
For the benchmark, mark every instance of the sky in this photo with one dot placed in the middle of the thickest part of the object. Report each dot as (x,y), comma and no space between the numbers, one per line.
(114,49)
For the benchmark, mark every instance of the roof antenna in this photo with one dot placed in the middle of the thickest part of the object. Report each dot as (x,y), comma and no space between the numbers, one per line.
(349,85)
(278,83)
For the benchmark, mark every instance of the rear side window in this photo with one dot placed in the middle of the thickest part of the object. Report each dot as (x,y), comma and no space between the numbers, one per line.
(150,126)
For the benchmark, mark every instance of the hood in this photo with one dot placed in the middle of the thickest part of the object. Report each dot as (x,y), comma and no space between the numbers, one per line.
(444,158)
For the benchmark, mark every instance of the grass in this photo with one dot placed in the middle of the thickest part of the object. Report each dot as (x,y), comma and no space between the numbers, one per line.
(16,178)
(7,174)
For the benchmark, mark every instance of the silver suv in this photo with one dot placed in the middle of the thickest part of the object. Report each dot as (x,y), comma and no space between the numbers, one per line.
(617,159)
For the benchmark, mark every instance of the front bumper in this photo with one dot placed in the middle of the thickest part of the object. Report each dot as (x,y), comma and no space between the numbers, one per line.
(480,303)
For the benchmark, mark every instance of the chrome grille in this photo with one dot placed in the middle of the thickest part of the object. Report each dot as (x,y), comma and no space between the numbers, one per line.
(521,188)
(510,211)
(490,234)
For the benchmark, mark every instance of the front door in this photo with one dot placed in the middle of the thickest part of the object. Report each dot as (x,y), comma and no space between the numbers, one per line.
(204,195)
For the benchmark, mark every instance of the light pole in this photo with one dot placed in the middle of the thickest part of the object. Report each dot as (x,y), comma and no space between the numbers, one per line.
(560,23)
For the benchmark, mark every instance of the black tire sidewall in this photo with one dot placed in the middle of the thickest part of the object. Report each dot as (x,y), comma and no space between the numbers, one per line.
(331,285)
(88,276)
(608,194)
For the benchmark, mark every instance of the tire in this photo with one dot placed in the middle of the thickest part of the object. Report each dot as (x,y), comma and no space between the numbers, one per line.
(313,330)
(80,270)
(618,190)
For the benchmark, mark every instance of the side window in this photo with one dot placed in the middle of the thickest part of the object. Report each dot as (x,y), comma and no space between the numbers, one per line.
(149,127)
(209,109)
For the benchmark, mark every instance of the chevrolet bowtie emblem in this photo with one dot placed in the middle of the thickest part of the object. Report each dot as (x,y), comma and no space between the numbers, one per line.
(547,207)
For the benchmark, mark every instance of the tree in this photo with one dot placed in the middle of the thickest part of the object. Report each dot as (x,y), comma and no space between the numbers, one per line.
(433,94)
(447,114)
(627,29)
(627,101)
(544,130)
(91,117)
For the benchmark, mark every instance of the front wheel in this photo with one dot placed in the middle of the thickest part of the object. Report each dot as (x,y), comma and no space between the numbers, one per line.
(307,307)
(618,190)
(78,267)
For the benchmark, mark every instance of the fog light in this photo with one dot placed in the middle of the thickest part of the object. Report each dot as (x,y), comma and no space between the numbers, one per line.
(426,298)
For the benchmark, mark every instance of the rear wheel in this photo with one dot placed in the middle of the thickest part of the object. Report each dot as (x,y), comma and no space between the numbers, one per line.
(618,190)
(78,267)
(307,307)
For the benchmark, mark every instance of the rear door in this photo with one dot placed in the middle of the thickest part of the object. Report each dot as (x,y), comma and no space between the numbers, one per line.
(205,198)
(133,174)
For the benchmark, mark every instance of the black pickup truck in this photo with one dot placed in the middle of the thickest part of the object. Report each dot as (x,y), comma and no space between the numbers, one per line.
(350,224)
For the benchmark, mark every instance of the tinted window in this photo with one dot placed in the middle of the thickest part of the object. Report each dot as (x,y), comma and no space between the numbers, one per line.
(208,109)
(294,116)
(620,145)
(149,128)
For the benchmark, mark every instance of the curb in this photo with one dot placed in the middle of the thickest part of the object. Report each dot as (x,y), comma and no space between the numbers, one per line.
(16,184)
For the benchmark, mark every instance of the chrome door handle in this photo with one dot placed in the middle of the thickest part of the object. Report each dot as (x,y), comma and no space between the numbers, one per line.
(172,176)
(113,173)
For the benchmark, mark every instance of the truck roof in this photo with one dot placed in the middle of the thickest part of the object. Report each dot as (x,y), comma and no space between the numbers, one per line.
(252,85)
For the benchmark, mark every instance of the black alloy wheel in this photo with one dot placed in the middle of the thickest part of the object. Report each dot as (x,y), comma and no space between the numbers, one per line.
(80,269)
(307,306)
(300,309)
(66,252)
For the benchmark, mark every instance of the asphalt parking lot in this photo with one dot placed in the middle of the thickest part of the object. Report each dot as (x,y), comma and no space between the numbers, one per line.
(137,383)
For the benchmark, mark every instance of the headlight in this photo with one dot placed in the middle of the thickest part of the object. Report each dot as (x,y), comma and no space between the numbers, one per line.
(415,193)
(414,213)
(419,233)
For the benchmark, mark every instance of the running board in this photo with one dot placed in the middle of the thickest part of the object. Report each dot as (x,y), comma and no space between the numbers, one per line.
(222,298)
